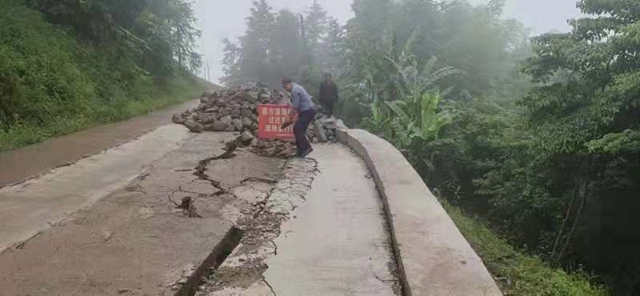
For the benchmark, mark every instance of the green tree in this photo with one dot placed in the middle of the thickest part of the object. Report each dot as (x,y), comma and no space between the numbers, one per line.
(254,45)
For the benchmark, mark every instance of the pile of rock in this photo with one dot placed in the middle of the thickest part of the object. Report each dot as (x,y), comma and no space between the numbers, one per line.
(230,110)
(273,148)
(235,110)
(324,129)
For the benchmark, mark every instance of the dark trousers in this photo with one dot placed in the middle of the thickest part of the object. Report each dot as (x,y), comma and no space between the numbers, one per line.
(300,130)
(328,107)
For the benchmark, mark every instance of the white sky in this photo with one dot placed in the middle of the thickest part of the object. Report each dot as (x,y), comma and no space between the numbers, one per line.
(219,19)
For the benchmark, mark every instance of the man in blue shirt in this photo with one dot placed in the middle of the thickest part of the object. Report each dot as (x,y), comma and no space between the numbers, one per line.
(303,105)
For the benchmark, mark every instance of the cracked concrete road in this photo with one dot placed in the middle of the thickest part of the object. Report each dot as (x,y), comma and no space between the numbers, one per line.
(144,218)
(327,235)
(38,204)
(135,241)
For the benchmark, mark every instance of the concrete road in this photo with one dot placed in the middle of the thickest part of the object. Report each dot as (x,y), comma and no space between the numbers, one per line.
(135,241)
(108,224)
(38,204)
(332,239)
(338,245)
(20,164)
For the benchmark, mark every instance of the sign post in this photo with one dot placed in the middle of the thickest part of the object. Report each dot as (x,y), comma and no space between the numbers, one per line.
(270,121)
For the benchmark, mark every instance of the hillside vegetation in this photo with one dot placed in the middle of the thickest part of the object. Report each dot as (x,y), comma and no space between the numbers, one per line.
(538,137)
(67,65)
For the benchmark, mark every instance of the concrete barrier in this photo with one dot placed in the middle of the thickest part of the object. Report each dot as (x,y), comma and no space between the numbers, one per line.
(434,258)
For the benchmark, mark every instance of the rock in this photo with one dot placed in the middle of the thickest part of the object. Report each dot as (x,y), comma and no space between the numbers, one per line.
(237,123)
(270,152)
(247,122)
(219,126)
(246,136)
(230,129)
(193,126)
(250,96)
(320,132)
(329,123)
(209,128)
(227,119)
(246,112)
(202,107)
(207,119)
(340,125)
(287,152)
(177,119)
(212,110)
(265,97)
(235,113)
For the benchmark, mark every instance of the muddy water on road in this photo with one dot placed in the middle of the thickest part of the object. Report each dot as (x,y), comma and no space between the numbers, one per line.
(20,164)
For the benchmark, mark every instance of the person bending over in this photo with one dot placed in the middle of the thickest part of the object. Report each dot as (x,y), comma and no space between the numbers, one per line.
(303,105)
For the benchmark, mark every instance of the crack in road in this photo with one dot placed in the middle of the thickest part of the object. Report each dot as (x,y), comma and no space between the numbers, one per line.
(264,279)
(261,223)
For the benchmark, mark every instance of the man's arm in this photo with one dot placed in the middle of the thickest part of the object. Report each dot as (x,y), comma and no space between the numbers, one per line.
(337,97)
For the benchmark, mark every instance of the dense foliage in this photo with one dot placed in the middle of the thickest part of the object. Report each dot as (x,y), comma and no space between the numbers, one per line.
(68,64)
(540,137)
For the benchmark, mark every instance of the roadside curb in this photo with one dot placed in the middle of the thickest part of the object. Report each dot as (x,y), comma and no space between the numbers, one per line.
(432,255)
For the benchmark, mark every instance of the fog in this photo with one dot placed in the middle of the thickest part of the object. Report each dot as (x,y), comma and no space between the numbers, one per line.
(219,19)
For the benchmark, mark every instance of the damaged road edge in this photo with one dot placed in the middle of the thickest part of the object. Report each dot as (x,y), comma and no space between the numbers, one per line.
(230,241)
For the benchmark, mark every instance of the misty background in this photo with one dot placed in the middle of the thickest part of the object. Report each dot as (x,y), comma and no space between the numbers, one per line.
(219,19)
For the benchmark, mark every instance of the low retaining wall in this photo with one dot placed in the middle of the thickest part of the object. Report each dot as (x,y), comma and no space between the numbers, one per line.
(434,258)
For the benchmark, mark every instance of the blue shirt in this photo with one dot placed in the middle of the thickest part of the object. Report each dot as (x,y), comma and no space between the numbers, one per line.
(300,99)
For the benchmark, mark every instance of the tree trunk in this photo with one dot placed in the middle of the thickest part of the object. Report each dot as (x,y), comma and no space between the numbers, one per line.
(564,222)
(584,193)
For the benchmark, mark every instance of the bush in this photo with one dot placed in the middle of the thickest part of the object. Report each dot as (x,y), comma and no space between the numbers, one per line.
(516,272)
(51,84)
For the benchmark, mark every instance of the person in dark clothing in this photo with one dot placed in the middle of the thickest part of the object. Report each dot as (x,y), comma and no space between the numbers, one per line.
(303,105)
(328,94)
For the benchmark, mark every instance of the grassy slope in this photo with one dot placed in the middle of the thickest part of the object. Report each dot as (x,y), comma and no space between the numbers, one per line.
(518,273)
(51,84)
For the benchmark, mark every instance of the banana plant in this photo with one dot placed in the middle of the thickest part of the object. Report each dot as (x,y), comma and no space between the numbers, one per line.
(418,119)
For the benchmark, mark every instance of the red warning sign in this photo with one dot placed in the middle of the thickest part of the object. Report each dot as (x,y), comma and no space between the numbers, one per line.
(270,121)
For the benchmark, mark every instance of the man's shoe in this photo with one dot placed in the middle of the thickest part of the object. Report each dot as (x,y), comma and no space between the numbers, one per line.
(306,153)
